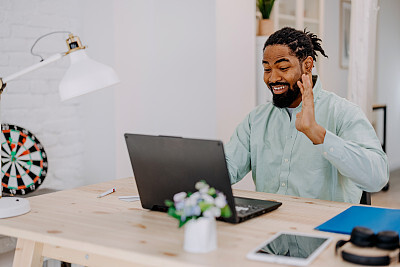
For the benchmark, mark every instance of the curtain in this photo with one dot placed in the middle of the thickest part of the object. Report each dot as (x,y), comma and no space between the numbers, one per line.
(361,80)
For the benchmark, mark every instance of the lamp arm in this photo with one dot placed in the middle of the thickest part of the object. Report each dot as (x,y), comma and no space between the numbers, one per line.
(74,44)
(33,67)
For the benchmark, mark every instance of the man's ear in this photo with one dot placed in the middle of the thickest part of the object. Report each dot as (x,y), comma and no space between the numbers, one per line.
(308,64)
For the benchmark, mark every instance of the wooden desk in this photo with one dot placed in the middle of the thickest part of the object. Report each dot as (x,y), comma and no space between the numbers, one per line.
(76,226)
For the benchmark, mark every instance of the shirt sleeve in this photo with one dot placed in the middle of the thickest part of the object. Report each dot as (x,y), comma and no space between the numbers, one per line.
(237,151)
(356,152)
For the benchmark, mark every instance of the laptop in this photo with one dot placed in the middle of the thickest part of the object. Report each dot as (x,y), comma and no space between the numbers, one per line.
(166,165)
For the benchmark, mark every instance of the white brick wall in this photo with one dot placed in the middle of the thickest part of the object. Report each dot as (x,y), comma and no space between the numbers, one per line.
(32,101)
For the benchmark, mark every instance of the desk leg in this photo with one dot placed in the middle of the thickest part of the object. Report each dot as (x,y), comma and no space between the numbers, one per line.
(28,253)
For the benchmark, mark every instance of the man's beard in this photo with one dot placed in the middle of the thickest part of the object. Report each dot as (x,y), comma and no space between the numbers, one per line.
(285,99)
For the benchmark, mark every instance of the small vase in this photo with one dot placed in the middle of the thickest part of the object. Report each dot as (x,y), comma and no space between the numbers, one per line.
(266,27)
(200,235)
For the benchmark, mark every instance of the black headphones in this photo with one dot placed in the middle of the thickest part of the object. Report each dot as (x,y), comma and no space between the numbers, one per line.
(365,237)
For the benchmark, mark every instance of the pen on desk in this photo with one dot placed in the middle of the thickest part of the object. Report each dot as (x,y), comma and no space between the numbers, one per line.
(112,190)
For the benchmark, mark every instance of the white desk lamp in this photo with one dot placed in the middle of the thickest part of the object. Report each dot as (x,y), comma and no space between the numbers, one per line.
(83,76)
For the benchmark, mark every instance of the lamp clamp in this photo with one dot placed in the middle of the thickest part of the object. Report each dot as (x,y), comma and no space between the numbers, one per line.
(74,43)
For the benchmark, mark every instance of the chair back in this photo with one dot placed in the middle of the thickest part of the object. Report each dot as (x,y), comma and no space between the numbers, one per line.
(365,198)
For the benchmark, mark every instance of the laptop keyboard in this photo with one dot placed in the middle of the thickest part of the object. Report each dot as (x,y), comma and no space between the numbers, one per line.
(244,210)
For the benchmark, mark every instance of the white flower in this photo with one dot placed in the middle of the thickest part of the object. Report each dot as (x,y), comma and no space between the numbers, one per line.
(212,212)
(179,205)
(208,214)
(196,211)
(188,206)
(216,211)
(204,190)
(207,198)
(220,201)
(187,211)
(178,197)
(201,184)
(193,199)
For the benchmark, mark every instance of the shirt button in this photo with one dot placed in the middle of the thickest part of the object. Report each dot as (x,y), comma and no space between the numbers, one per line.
(283,184)
(331,149)
(286,160)
(325,153)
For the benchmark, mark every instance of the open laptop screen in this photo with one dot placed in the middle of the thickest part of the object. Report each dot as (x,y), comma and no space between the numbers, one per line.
(164,166)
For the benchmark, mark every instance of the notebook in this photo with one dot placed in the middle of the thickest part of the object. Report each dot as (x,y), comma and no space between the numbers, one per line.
(166,165)
(377,219)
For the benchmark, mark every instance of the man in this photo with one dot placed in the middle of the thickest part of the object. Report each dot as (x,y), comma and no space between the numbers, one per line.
(308,142)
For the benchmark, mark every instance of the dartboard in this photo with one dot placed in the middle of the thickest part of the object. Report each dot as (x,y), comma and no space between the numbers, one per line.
(23,160)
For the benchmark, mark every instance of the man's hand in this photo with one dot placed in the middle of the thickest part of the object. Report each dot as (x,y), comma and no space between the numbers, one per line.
(305,119)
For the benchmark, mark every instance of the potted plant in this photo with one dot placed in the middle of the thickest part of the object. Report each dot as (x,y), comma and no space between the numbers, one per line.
(197,211)
(266,25)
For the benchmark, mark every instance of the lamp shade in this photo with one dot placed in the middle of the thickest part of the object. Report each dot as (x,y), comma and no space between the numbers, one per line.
(84,76)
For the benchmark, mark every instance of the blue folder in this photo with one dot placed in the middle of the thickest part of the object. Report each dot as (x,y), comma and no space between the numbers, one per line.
(377,219)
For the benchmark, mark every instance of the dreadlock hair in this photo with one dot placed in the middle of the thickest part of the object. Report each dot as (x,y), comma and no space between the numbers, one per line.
(301,43)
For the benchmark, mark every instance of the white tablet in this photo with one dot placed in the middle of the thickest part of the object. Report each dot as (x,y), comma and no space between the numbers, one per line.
(291,248)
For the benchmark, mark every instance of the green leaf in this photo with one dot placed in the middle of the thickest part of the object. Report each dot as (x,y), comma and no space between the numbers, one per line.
(172,213)
(182,223)
(211,191)
(226,212)
(169,203)
(204,206)
(265,7)
(179,212)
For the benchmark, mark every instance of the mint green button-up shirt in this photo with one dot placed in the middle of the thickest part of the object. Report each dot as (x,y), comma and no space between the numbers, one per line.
(284,161)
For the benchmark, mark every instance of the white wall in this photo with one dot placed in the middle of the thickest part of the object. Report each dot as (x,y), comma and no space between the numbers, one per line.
(388,78)
(187,69)
(334,78)
(165,56)
(236,68)
(97,109)
(236,65)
